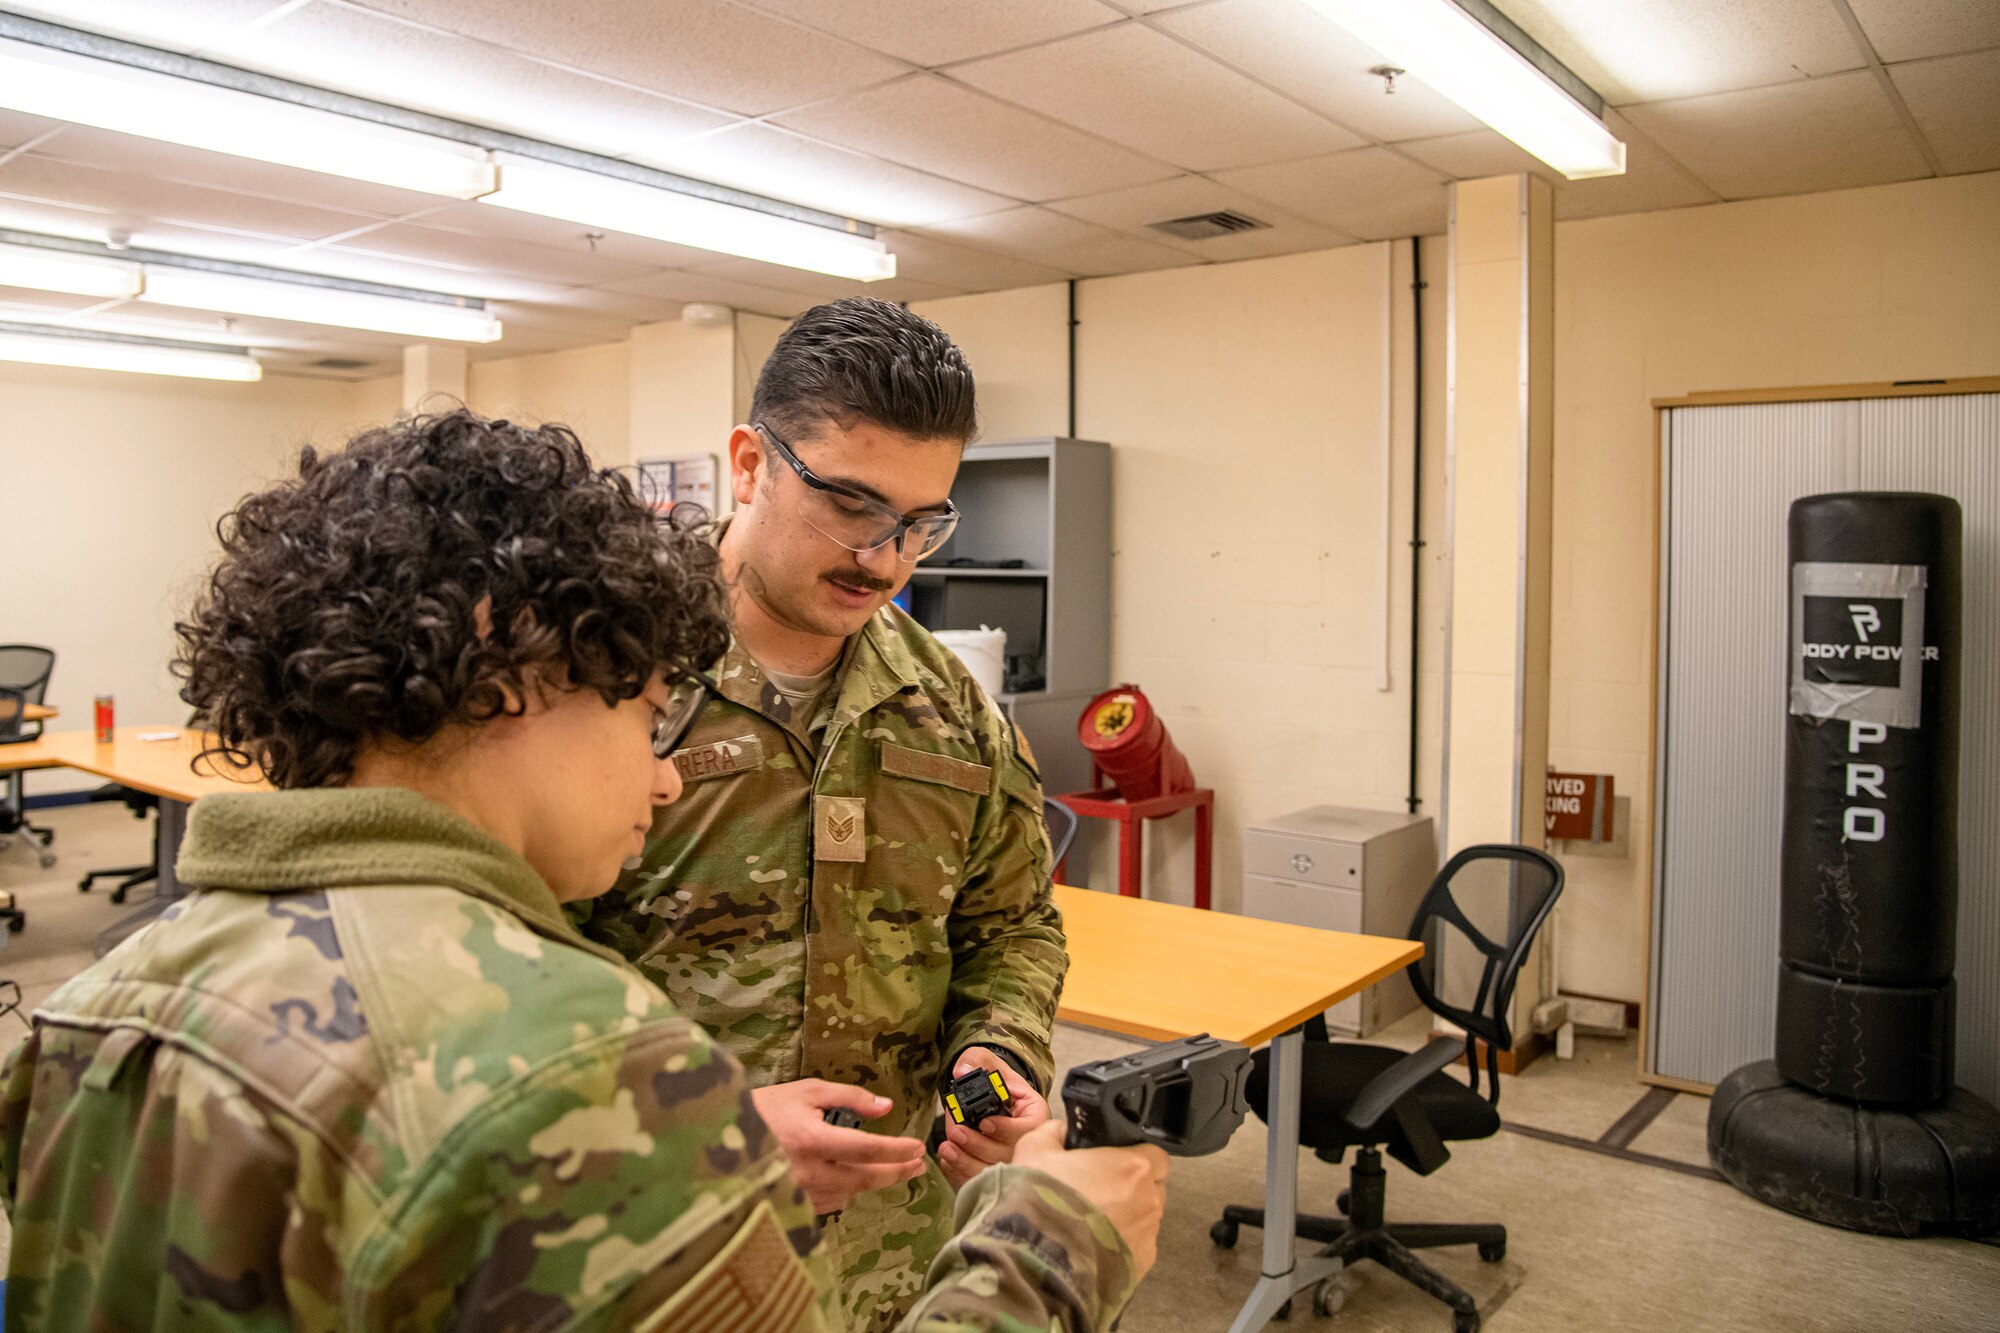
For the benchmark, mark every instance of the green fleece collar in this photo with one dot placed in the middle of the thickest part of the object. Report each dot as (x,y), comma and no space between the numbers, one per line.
(341,837)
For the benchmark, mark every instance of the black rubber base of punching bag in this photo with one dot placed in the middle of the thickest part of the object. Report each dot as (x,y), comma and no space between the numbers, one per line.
(1893,1173)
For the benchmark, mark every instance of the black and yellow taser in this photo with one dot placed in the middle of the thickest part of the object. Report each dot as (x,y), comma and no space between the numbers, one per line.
(975,1095)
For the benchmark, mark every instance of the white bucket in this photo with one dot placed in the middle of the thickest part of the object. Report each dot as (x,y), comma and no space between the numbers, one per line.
(984,652)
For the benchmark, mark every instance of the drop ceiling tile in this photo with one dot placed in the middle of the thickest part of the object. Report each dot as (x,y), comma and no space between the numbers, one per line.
(126,317)
(1828,134)
(928,259)
(1956,100)
(1914,29)
(1305,55)
(1141,88)
(606,302)
(936,32)
(765,159)
(31,175)
(564,237)
(716,54)
(1134,211)
(683,287)
(177,27)
(826,287)
(1370,193)
(937,126)
(1059,241)
(155,158)
(1652,50)
(371,55)
(351,259)
(582,327)
(27,305)
(1652,181)
(17,129)
(96,224)
(476,256)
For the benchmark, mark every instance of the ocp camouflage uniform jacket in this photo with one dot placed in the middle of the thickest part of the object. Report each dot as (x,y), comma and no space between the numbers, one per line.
(369,1078)
(861,912)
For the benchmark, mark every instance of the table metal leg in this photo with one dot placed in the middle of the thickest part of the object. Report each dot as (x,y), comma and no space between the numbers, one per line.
(173,823)
(1284,1273)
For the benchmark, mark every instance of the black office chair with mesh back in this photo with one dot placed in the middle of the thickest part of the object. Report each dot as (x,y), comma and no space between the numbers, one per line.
(14,822)
(1476,922)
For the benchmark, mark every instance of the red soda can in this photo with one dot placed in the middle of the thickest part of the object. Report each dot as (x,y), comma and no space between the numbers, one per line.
(105,724)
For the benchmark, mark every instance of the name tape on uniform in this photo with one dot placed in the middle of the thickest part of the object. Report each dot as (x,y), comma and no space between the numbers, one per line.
(903,762)
(719,759)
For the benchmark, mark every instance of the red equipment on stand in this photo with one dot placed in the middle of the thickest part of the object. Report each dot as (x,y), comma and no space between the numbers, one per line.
(1150,779)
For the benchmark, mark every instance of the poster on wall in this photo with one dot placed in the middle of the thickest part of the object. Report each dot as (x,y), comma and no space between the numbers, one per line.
(666,482)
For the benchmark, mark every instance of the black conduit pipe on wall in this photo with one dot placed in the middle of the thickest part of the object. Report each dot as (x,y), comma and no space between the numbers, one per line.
(1417,285)
(1072,358)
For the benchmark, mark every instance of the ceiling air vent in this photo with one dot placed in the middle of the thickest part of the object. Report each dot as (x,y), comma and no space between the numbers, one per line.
(338,363)
(1205,226)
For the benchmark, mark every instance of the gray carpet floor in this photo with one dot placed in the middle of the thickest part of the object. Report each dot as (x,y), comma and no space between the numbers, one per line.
(1596,1243)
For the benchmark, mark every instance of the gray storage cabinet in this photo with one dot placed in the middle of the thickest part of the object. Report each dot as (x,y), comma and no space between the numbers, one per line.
(1047,504)
(1362,871)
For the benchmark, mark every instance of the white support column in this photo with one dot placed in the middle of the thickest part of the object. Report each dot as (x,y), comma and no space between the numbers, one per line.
(431,370)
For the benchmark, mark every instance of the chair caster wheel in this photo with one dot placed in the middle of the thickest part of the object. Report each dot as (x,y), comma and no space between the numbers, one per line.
(1224,1234)
(1464,1322)
(1328,1297)
(1493,1251)
(1341,1203)
(1284,1311)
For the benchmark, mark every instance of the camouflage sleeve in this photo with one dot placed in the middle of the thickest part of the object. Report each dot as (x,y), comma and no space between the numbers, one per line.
(1031,1255)
(1007,954)
(628,1184)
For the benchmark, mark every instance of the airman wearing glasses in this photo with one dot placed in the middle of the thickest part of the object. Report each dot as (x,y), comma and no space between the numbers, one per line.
(853,892)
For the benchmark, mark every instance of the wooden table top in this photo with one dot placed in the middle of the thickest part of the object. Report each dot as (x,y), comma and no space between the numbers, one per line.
(39,713)
(162,767)
(1160,971)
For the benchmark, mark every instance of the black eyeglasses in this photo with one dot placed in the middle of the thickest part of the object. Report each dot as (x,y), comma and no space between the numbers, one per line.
(850,519)
(687,695)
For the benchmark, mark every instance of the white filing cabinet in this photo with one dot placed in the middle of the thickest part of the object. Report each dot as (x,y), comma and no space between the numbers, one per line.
(1343,869)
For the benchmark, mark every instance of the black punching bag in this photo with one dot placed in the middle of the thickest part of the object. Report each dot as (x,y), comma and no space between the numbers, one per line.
(1855,1121)
(1868,922)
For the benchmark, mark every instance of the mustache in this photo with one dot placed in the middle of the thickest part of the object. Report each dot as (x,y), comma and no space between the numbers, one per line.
(857,579)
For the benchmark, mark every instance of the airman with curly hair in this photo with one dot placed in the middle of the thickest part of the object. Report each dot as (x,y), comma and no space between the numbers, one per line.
(366,1075)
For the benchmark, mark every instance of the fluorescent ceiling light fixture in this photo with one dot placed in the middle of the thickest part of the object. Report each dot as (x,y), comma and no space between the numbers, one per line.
(80,275)
(19,342)
(62,86)
(1441,44)
(196,289)
(542,188)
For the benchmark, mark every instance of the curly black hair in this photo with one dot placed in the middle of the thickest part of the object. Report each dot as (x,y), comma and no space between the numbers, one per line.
(351,604)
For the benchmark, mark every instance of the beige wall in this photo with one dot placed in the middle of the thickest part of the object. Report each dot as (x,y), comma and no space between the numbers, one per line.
(1018,347)
(106,543)
(584,388)
(1893,282)
(1245,406)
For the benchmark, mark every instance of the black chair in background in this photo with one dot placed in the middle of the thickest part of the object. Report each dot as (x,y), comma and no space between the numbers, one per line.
(14,729)
(141,804)
(1062,822)
(1476,922)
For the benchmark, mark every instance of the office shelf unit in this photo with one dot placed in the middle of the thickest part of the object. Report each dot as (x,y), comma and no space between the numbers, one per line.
(1047,504)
